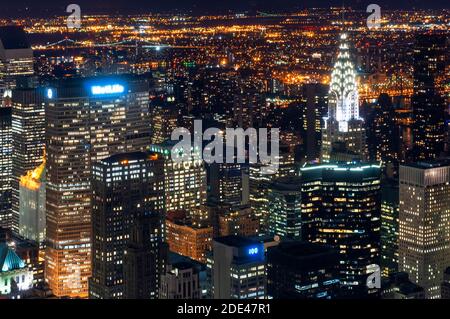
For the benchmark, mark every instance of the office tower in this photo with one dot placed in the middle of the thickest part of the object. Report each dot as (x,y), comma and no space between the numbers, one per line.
(16,58)
(383,133)
(398,286)
(300,270)
(315,97)
(428,102)
(184,183)
(343,134)
(181,281)
(187,239)
(259,183)
(32,204)
(389,227)
(88,119)
(5,167)
(258,188)
(341,206)
(15,277)
(145,258)
(164,119)
(237,268)
(226,181)
(424,219)
(445,286)
(126,189)
(28,132)
(284,207)
(238,220)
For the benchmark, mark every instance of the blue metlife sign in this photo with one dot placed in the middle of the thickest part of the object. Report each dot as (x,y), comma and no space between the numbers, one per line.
(107,89)
(252,251)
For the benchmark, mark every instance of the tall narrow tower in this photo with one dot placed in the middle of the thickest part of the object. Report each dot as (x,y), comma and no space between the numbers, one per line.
(343,134)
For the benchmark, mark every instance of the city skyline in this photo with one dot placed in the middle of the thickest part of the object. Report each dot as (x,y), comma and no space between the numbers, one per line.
(245,154)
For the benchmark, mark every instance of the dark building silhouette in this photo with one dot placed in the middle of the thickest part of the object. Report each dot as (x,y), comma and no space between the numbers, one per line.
(428,103)
(302,270)
(144,259)
(127,214)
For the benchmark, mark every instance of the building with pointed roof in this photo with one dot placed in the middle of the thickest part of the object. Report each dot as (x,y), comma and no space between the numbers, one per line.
(343,134)
(14,273)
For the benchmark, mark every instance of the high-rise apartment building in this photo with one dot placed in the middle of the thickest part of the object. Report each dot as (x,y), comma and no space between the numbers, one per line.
(343,134)
(88,119)
(127,190)
(424,223)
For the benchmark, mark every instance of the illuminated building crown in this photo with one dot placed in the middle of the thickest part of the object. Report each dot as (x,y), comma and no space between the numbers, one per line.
(343,87)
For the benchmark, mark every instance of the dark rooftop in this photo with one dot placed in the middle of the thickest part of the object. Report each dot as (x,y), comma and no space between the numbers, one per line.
(235,241)
(14,37)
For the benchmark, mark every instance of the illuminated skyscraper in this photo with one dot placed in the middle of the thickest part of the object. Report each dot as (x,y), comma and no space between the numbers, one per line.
(237,268)
(341,204)
(285,217)
(16,58)
(32,204)
(28,132)
(185,182)
(343,135)
(389,227)
(315,97)
(226,182)
(88,119)
(164,120)
(424,217)
(5,166)
(126,188)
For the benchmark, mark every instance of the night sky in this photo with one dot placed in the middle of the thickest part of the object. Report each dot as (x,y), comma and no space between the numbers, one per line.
(51,7)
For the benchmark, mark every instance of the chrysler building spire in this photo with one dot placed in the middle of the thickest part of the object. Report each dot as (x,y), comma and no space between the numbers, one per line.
(343,88)
(343,135)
